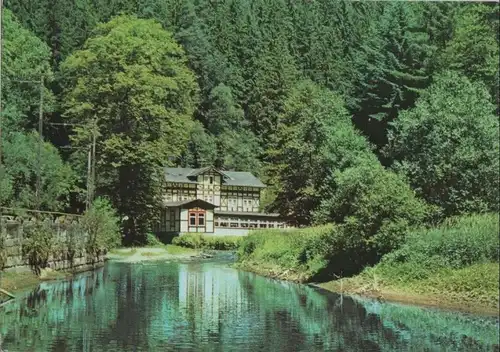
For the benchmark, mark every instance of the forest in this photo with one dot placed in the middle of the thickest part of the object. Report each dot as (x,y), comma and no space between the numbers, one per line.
(378,115)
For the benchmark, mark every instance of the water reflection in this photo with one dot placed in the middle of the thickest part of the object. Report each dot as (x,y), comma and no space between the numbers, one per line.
(211,307)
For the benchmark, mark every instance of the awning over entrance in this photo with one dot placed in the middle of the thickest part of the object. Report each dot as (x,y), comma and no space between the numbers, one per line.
(189,204)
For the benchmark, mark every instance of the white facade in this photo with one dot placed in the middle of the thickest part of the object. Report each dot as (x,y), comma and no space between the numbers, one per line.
(211,201)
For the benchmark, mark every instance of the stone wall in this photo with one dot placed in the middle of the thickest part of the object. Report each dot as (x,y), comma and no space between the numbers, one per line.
(66,233)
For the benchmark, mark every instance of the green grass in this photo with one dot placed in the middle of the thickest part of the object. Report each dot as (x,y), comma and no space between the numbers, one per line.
(457,261)
(124,252)
(15,282)
(198,241)
(296,254)
(178,250)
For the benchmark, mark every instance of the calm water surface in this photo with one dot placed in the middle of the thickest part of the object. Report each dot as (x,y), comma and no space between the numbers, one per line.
(210,307)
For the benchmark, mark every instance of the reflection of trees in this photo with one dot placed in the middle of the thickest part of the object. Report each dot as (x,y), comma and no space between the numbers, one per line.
(207,307)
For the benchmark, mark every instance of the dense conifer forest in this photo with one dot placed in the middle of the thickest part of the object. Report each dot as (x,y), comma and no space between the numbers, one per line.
(380,115)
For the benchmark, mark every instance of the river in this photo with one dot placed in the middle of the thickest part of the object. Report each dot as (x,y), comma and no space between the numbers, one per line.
(208,306)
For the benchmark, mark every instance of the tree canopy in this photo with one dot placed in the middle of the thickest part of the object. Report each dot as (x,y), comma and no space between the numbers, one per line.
(448,146)
(300,93)
(131,83)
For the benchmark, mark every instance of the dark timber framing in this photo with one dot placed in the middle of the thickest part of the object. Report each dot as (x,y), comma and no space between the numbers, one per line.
(235,196)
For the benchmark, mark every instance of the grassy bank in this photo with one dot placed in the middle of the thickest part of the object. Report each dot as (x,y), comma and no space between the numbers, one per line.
(296,255)
(198,241)
(16,282)
(455,264)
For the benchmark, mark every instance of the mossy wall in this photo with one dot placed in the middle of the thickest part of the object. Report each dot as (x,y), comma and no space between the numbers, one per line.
(65,248)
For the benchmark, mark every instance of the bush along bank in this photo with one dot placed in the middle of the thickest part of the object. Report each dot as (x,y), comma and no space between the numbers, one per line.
(73,246)
(456,262)
(198,241)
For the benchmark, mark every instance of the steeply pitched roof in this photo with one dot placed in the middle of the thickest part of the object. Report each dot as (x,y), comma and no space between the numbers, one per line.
(230,178)
(191,203)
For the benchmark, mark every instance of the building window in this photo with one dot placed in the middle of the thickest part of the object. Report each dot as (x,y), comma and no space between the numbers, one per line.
(192,219)
(172,219)
(211,180)
(234,224)
(197,218)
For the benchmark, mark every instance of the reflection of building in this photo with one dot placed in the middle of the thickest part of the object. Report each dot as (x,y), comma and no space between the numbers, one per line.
(210,296)
(209,200)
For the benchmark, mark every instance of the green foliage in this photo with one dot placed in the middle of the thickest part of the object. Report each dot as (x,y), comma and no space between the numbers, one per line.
(474,47)
(457,243)
(132,81)
(25,58)
(21,162)
(448,146)
(39,245)
(75,241)
(301,252)
(153,241)
(394,66)
(197,241)
(457,260)
(102,226)
(377,208)
(314,137)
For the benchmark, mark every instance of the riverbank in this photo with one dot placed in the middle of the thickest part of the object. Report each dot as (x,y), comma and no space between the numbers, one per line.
(454,265)
(18,282)
(472,289)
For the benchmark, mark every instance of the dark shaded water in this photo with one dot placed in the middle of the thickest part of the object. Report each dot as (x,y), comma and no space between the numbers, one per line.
(211,307)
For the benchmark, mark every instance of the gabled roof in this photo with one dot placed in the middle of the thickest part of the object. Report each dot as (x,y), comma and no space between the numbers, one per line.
(196,172)
(191,204)
(230,178)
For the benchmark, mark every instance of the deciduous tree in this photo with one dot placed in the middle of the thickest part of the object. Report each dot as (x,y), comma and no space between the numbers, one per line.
(131,79)
(448,146)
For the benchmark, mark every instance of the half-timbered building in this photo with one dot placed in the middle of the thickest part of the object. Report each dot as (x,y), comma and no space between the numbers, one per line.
(208,200)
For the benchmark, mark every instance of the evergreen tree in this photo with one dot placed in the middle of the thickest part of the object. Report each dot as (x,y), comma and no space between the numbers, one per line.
(395,67)
(315,138)
(474,47)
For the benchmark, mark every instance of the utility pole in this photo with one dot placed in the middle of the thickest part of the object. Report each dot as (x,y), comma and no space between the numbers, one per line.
(91,159)
(1,111)
(40,142)
(89,171)
(94,138)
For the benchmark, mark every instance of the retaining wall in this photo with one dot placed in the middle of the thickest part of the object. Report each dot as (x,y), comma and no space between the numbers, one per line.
(63,232)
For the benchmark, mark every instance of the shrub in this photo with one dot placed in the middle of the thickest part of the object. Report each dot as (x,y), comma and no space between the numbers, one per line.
(457,243)
(75,241)
(153,241)
(100,222)
(199,241)
(39,244)
(376,208)
(302,250)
